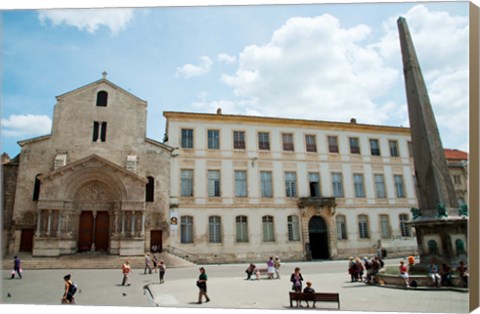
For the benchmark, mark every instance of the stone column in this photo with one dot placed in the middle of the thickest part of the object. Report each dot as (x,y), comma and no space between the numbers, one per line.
(39,221)
(49,226)
(132,229)
(115,222)
(94,229)
(59,226)
(143,224)
(123,223)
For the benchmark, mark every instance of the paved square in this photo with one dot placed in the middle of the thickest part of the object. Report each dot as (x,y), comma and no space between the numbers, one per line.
(227,288)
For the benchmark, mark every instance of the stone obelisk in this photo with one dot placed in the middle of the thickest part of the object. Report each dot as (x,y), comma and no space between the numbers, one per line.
(440,235)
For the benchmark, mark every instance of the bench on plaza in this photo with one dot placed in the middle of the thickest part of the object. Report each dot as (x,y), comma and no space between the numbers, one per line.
(317,297)
(262,271)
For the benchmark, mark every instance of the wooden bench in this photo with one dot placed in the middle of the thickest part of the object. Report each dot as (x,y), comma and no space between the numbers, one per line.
(262,271)
(317,297)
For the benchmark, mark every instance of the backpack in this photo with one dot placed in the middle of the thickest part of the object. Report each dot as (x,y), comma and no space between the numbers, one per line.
(72,289)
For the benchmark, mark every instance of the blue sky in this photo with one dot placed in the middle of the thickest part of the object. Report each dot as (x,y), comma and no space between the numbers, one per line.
(324,61)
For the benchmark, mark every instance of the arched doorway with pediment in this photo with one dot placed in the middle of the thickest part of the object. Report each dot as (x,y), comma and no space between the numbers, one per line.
(318,227)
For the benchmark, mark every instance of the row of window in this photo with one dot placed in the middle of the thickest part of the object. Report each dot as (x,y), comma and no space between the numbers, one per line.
(241,225)
(266,184)
(363,227)
(213,142)
(293,227)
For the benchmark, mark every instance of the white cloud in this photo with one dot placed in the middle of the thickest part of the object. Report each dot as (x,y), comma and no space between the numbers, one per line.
(441,43)
(226,58)
(89,20)
(438,36)
(26,126)
(190,70)
(314,68)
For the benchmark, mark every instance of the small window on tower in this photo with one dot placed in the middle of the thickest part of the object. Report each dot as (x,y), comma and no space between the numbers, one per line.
(102,98)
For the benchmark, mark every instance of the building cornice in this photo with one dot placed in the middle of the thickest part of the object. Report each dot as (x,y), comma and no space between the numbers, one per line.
(34,140)
(275,121)
(156,143)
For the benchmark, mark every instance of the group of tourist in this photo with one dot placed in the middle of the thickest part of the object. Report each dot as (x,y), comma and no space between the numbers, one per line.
(157,265)
(369,268)
(273,272)
(273,269)
(439,276)
(443,276)
(160,265)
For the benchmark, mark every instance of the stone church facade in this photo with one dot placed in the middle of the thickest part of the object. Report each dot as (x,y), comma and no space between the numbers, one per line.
(96,183)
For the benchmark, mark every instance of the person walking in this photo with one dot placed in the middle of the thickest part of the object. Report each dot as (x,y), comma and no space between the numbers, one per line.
(148,264)
(202,286)
(69,290)
(270,267)
(161,269)
(277,265)
(17,268)
(126,270)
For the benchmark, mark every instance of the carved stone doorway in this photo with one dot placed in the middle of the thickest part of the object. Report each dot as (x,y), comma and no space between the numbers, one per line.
(93,232)
(93,201)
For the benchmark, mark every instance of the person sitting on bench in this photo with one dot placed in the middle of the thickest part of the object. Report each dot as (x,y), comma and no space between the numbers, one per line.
(309,289)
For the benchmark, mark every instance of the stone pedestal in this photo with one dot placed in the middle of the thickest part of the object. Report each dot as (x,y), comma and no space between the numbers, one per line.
(442,240)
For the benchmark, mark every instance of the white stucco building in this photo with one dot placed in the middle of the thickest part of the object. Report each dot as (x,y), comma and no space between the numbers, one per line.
(244,188)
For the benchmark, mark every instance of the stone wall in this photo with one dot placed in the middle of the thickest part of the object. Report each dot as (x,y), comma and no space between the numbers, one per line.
(9,184)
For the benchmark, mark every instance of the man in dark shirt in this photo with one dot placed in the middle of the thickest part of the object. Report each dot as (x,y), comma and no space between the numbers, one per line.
(16,267)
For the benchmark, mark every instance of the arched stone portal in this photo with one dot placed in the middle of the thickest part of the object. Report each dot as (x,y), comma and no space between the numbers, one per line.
(93,202)
(318,238)
(318,227)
